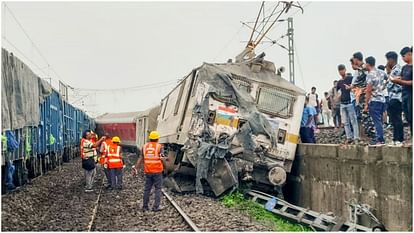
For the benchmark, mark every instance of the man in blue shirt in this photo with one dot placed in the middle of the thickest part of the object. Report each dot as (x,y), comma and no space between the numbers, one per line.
(374,99)
(307,124)
(394,93)
(406,81)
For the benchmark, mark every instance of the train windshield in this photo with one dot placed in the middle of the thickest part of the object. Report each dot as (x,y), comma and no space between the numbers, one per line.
(275,101)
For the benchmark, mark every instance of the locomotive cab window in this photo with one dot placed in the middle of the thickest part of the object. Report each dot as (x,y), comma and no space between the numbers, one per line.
(275,101)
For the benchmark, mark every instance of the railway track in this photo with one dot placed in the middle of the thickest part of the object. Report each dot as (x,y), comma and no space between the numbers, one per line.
(181,212)
(57,202)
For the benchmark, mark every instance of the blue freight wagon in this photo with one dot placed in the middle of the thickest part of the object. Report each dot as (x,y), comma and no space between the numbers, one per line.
(34,144)
(55,140)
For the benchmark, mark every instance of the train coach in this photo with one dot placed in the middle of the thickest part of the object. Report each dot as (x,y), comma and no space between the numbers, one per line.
(232,122)
(132,127)
(40,130)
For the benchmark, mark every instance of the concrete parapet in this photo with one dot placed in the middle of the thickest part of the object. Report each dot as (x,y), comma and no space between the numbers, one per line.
(378,176)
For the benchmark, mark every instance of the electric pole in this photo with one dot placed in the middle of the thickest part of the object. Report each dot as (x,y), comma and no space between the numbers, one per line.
(291,51)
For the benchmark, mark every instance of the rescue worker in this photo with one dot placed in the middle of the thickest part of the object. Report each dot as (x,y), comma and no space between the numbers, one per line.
(94,139)
(88,158)
(153,168)
(103,160)
(115,163)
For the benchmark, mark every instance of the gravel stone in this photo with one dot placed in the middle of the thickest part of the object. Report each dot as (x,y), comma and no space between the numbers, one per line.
(57,202)
(332,136)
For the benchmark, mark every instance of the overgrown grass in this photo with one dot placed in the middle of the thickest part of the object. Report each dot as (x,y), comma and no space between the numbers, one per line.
(276,223)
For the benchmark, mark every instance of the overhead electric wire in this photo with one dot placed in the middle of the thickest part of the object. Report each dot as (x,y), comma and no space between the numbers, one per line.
(140,87)
(268,19)
(299,66)
(24,31)
(6,7)
(255,23)
(228,43)
(19,51)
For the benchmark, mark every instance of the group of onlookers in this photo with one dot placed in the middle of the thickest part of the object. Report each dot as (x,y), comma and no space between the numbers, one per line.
(363,102)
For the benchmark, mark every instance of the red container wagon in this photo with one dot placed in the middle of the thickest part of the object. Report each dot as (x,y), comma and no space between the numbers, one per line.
(122,125)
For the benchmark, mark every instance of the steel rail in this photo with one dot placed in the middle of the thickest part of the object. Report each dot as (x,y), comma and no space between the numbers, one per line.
(95,209)
(181,211)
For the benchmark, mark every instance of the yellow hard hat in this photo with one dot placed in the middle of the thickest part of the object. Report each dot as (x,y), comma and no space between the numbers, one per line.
(154,135)
(116,139)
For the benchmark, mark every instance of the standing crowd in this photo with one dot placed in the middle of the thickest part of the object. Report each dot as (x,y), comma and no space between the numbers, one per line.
(109,156)
(110,159)
(365,102)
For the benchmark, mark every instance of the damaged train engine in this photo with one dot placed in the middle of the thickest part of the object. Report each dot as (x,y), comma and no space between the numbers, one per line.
(228,123)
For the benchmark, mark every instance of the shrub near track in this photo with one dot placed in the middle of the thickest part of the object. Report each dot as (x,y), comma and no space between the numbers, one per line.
(237,200)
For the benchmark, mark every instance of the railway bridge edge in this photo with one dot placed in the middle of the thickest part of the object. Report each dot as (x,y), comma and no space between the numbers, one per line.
(324,176)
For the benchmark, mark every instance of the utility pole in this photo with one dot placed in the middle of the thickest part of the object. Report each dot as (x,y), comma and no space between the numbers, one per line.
(291,51)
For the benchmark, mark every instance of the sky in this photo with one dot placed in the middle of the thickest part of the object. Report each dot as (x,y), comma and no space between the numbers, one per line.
(105,47)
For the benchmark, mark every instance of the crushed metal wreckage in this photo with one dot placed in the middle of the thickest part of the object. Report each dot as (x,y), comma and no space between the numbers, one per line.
(232,122)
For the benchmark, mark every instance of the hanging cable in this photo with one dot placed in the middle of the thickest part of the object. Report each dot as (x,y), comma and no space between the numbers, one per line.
(299,66)
(228,43)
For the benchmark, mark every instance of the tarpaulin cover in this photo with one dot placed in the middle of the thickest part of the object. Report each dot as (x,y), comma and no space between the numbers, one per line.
(22,92)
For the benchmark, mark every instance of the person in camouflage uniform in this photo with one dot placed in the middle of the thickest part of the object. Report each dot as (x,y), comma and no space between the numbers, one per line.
(375,99)
(395,95)
(358,86)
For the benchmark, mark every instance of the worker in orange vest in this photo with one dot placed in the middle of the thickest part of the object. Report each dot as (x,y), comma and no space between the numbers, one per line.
(88,157)
(103,160)
(115,163)
(152,156)
(94,139)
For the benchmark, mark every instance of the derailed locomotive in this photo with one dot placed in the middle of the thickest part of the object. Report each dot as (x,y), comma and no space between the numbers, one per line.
(231,122)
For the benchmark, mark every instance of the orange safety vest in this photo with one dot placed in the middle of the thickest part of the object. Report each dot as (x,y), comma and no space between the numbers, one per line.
(93,140)
(82,149)
(104,146)
(152,159)
(114,158)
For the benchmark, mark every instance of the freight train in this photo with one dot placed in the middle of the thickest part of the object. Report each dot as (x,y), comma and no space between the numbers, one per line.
(228,123)
(32,148)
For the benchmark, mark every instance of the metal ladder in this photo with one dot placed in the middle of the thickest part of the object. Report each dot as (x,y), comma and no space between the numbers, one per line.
(316,220)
